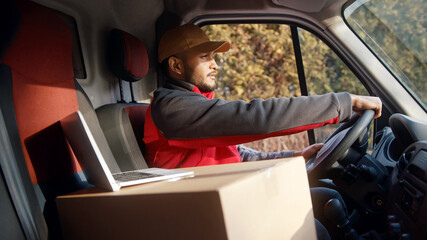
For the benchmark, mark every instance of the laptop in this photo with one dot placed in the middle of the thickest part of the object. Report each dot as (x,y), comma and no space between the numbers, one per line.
(97,172)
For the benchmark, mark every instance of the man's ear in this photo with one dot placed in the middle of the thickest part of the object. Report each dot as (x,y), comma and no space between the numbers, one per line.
(176,66)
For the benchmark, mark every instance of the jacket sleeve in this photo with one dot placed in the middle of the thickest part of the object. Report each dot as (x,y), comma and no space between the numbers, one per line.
(191,120)
(250,155)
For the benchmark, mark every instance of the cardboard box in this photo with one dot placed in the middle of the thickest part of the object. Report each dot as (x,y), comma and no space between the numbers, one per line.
(255,200)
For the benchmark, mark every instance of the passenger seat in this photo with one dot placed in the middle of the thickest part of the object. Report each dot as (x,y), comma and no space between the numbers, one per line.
(123,123)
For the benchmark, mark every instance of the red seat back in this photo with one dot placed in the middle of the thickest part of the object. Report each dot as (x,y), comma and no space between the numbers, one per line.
(43,91)
(41,81)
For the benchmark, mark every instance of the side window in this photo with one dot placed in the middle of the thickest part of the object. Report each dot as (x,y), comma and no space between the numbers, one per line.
(261,64)
(325,73)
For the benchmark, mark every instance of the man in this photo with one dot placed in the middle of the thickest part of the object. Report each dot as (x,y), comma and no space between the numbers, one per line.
(185,126)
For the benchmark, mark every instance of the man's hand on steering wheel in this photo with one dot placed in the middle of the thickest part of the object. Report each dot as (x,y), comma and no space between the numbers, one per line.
(362,103)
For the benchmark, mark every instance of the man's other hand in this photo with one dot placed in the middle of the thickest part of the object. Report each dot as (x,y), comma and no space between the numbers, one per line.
(309,151)
(361,103)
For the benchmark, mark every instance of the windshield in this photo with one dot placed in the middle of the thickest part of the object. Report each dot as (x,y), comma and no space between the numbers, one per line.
(396,32)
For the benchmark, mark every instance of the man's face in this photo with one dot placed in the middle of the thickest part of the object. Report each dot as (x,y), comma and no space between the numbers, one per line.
(200,70)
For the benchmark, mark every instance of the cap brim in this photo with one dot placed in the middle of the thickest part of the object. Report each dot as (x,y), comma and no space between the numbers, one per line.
(212,46)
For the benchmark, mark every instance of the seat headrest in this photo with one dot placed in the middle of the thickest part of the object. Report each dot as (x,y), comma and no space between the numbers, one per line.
(127,56)
(46,57)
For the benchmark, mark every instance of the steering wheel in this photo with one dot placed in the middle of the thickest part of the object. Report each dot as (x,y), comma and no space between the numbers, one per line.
(337,145)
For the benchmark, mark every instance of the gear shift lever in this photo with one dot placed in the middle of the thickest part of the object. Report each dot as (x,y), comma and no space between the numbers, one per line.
(335,212)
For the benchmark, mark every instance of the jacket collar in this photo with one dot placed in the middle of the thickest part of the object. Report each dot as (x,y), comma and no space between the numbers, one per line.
(176,84)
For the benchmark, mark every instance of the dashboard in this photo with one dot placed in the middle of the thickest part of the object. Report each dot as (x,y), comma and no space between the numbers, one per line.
(402,149)
(391,183)
(408,190)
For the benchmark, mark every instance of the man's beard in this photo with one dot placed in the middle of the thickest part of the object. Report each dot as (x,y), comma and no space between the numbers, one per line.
(203,87)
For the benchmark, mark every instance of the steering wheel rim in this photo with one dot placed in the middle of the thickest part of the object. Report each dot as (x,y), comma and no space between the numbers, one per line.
(338,143)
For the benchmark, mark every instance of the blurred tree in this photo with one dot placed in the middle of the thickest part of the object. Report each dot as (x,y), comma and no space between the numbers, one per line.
(260,63)
(396,31)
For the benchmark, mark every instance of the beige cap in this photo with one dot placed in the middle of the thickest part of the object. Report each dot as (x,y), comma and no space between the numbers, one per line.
(186,37)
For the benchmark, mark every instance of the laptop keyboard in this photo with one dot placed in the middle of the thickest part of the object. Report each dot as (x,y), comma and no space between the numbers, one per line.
(131,176)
